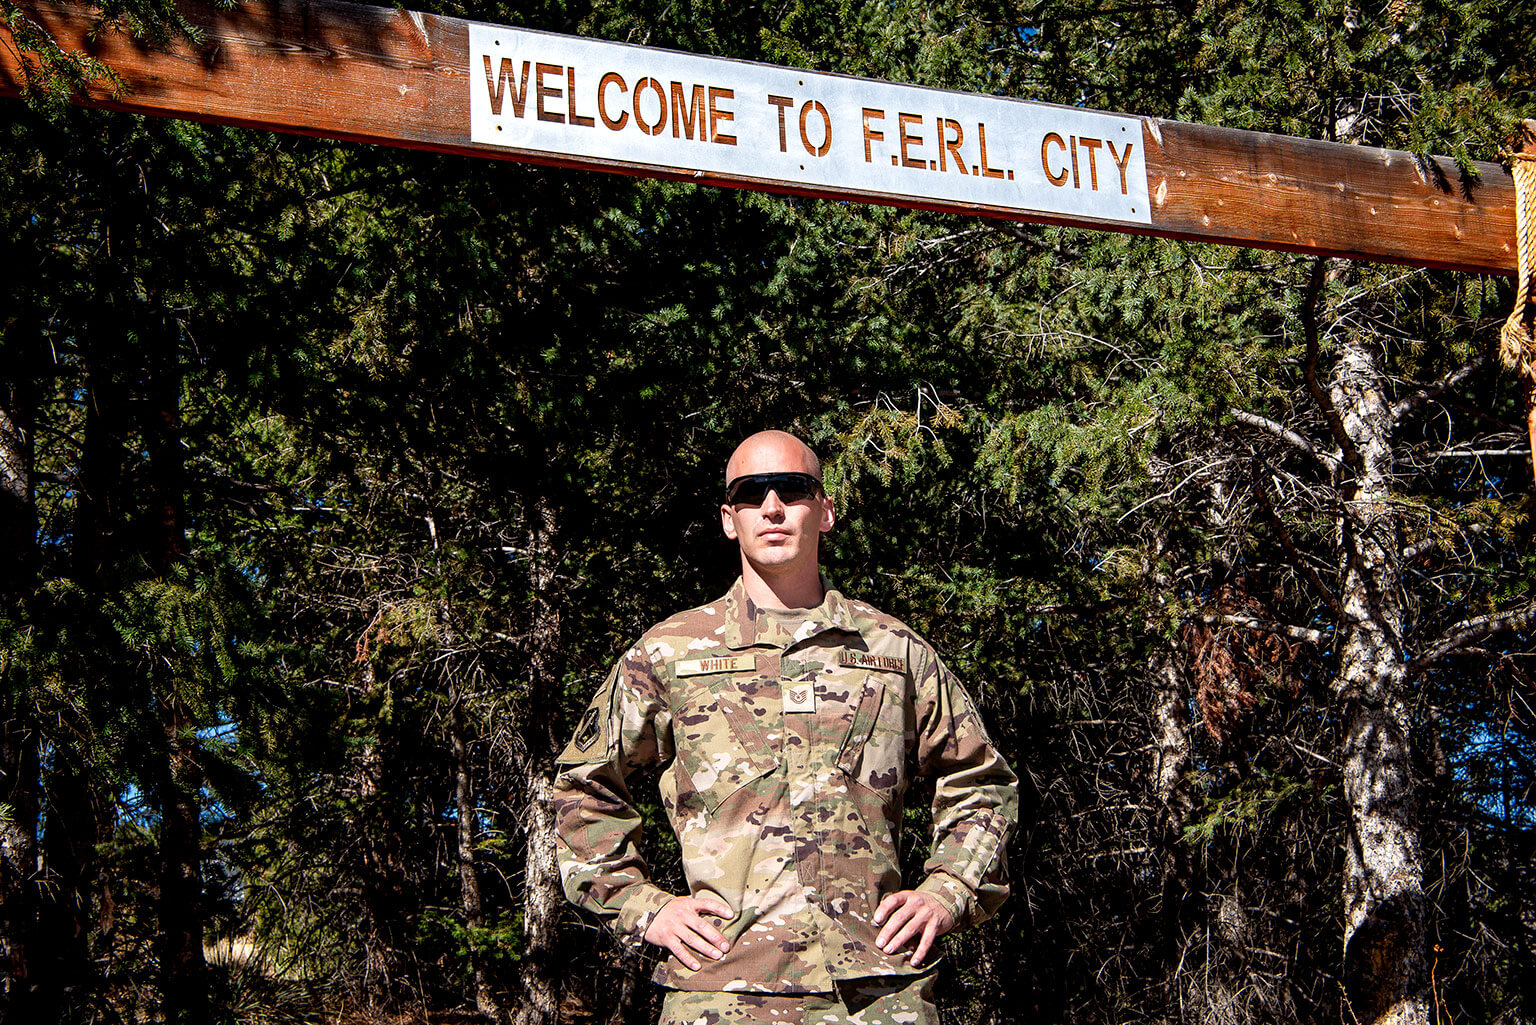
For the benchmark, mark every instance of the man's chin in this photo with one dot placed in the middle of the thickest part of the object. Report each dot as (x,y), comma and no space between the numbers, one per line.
(775,560)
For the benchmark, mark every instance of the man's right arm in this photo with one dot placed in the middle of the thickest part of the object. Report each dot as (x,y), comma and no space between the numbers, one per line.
(626,727)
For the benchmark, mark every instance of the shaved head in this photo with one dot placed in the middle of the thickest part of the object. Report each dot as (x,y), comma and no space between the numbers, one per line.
(772,452)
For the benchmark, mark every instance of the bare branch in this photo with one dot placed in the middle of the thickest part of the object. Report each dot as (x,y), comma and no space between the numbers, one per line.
(1478,453)
(1467,631)
(1285,434)
(1298,633)
(1410,403)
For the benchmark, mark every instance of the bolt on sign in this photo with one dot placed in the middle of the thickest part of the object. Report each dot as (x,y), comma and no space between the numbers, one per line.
(574,97)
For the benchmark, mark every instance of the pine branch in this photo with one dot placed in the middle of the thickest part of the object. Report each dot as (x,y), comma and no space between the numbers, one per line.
(1297,558)
(1309,328)
(1411,403)
(1429,544)
(1285,434)
(1467,631)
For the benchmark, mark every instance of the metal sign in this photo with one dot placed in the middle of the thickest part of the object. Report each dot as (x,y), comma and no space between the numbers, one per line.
(573,97)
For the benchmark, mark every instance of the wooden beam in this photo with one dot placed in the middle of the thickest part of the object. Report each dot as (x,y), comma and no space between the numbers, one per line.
(401,78)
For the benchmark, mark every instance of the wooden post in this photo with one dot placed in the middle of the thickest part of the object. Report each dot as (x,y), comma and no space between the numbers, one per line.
(402,78)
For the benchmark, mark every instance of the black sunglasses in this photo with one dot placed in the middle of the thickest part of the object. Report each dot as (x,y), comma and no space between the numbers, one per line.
(753,488)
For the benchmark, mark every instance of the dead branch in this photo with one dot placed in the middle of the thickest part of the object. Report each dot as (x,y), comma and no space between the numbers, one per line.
(1299,633)
(1285,434)
(1411,403)
(1475,629)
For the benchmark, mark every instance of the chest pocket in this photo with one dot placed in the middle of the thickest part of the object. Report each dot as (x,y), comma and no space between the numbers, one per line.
(874,755)
(719,742)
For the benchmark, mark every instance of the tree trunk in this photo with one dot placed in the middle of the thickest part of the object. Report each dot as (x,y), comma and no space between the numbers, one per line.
(18,855)
(19,737)
(1170,741)
(469,878)
(542,893)
(1384,911)
(183,971)
(71,831)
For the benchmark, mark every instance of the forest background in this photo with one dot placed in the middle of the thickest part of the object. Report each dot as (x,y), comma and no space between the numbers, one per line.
(335,477)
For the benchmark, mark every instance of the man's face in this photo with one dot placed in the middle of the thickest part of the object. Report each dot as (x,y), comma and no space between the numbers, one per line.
(777,537)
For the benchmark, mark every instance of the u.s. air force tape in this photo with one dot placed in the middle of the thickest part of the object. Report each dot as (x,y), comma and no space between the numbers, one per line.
(865,660)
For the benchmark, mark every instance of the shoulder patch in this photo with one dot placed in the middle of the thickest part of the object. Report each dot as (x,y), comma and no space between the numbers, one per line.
(588,730)
(706,666)
(865,660)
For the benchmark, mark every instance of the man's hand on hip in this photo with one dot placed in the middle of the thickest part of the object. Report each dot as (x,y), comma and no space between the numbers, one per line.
(681,928)
(909,915)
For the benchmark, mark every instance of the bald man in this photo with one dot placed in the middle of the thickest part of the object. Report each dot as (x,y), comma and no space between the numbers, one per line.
(787,721)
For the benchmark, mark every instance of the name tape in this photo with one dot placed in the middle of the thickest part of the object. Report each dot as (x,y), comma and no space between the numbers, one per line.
(726,664)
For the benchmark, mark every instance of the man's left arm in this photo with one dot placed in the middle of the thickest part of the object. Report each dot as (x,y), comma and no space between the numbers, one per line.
(975,806)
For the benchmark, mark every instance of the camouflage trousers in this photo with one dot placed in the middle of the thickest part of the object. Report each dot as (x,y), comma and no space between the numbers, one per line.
(885,1000)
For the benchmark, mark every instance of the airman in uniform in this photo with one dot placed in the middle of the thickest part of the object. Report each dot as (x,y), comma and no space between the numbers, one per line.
(787,720)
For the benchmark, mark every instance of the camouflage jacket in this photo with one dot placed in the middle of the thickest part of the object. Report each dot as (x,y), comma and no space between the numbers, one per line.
(786,740)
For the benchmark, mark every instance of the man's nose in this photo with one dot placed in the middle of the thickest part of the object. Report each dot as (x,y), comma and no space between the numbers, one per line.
(772,505)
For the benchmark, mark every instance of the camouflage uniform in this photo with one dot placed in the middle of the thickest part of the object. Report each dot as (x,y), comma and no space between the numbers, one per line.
(787,739)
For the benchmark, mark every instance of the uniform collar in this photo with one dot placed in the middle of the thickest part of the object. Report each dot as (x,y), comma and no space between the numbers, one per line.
(748,626)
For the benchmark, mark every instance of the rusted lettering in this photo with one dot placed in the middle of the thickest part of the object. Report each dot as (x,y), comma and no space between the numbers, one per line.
(981,137)
(716,115)
(613,123)
(661,99)
(1045,159)
(583,120)
(951,147)
(496,83)
(905,139)
(870,132)
(1122,162)
(547,91)
(826,123)
(687,111)
(1092,146)
(783,103)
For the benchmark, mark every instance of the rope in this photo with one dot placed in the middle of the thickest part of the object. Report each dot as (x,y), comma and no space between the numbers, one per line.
(1517,345)
(1517,338)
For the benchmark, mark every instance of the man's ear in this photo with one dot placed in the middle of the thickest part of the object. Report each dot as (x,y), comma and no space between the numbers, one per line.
(828,515)
(727,522)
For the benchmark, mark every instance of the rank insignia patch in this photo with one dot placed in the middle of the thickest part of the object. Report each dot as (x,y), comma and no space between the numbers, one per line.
(799,697)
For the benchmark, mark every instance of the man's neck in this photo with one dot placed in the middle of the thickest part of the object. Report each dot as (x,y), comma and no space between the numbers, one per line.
(789,591)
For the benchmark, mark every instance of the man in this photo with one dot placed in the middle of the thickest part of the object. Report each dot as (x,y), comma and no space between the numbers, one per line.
(785,718)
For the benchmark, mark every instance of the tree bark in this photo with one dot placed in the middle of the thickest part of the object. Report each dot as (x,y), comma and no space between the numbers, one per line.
(469,877)
(183,970)
(71,831)
(1385,966)
(542,892)
(18,855)
(1170,741)
(19,736)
